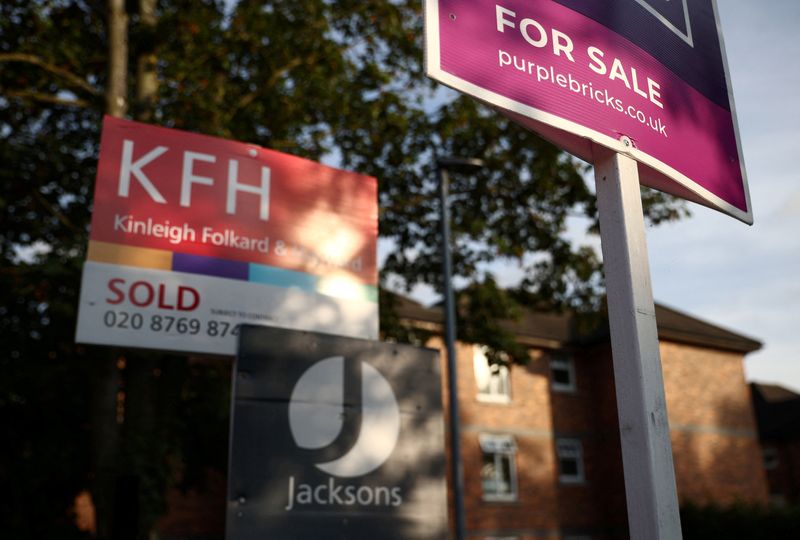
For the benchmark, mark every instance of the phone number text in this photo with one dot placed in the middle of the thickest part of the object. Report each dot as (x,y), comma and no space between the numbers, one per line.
(168,324)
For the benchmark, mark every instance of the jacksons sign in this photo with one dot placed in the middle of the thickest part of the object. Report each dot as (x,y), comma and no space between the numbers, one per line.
(646,78)
(193,235)
(335,438)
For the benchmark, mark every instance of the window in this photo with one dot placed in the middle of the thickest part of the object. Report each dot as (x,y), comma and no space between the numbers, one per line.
(770,455)
(570,461)
(493,379)
(777,499)
(562,373)
(498,471)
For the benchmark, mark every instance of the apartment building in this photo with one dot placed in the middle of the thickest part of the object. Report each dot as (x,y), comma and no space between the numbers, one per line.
(540,440)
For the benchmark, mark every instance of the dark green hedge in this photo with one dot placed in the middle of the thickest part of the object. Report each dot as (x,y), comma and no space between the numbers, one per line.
(740,522)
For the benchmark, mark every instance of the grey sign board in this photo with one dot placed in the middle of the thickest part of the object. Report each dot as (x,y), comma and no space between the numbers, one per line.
(335,437)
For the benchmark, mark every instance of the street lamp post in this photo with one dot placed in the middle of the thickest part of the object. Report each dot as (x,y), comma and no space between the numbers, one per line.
(442,165)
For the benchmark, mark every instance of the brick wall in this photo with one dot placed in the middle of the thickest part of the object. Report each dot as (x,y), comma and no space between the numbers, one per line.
(590,415)
(714,437)
(717,455)
(527,417)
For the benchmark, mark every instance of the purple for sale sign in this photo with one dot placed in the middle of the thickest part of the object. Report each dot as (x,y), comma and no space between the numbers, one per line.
(646,78)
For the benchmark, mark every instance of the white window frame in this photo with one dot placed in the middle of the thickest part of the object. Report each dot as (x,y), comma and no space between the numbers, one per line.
(566,362)
(493,380)
(500,447)
(570,448)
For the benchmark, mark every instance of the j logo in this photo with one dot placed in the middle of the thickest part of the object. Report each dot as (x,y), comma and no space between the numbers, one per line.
(315,417)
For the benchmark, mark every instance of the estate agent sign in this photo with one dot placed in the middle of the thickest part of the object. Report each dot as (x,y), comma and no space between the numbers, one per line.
(193,235)
(646,78)
(335,437)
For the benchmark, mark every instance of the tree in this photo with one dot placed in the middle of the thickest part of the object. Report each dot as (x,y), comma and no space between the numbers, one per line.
(339,81)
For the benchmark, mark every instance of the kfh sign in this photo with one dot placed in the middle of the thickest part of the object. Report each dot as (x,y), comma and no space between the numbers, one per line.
(335,438)
(193,235)
(646,78)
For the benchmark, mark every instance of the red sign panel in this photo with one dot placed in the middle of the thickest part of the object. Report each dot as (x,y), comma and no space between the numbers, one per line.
(185,193)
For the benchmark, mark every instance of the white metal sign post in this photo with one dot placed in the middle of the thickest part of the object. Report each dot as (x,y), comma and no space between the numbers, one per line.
(641,404)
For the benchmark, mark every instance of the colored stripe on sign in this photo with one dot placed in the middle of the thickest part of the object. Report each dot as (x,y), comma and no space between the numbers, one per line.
(345,287)
(104,252)
(209,266)
(270,275)
(341,285)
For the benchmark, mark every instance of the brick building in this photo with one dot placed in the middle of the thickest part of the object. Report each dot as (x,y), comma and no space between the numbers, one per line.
(778,417)
(540,441)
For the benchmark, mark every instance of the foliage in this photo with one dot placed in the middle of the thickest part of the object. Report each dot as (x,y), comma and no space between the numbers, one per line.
(339,81)
(488,306)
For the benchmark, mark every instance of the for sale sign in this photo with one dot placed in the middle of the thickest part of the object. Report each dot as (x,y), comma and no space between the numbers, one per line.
(646,78)
(194,235)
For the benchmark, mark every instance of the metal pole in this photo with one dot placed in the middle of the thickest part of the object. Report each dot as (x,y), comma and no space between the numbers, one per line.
(642,409)
(450,343)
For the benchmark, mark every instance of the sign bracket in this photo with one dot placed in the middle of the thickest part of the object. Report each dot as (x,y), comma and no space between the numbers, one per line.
(644,427)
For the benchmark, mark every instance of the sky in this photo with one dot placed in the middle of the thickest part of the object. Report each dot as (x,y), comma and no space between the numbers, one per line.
(747,279)
(744,278)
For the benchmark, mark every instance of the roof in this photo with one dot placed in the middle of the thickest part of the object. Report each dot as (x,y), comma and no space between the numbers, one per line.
(534,328)
(555,330)
(772,393)
(777,411)
(674,325)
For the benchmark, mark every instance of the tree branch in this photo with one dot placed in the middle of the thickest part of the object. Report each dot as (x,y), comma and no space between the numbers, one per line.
(55,211)
(247,99)
(48,98)
(38,61)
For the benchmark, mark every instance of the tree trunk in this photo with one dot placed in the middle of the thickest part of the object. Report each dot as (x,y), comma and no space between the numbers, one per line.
(117,91)
(107,383)
(140,434)
(147,62)
(105,438)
